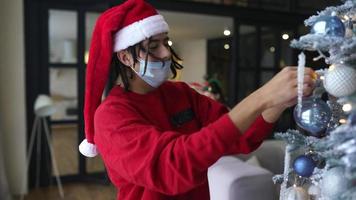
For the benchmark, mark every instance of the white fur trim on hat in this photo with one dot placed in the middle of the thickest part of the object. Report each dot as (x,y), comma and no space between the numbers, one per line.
(139,31)
(88,149)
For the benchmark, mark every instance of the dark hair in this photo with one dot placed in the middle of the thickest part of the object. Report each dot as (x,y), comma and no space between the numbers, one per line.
(118,69)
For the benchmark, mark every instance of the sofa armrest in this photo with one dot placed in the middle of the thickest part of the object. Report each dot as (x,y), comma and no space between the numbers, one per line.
(232,179)
(271,155)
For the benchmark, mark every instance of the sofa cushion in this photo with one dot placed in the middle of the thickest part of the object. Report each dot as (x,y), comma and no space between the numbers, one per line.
(231,178)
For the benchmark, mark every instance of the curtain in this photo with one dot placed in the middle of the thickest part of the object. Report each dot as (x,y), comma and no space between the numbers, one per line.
(4,188)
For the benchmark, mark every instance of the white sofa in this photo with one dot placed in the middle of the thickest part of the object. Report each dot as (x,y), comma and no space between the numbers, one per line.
(231,178)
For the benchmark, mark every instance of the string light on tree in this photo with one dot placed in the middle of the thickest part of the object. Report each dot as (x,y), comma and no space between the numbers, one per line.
(347,107)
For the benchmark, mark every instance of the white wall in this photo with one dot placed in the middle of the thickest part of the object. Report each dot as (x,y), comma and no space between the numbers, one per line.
(193,53)
(12,92)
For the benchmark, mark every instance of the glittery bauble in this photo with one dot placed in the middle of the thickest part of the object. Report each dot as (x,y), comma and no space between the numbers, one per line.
(340,80)
(329,25)
(334,183)
(296,193)
(315,116)
(304,165)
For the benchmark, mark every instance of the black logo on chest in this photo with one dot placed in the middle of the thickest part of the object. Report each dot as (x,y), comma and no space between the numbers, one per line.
(182,117)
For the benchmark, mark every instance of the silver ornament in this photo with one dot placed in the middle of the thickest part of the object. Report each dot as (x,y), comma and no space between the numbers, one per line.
(297,193)
(340,80)
(314,190)
(334,183)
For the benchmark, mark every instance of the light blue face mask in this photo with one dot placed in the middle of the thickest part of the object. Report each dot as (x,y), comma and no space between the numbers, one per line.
(156,72)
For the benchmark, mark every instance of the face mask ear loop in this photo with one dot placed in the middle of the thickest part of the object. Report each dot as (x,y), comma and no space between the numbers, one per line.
(132,67)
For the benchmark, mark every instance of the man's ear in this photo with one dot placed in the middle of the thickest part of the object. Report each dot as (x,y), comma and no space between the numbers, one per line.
(125,57)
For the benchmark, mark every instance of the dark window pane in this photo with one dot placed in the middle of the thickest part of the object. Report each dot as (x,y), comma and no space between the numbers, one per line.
(268,47)
(274,4)
(246,83)
(247,47)
(287,58)
(285,122)
(304,6)
(219,61)
(266,76)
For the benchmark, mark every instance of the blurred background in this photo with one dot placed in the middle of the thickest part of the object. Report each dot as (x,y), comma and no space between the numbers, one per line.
(239,44)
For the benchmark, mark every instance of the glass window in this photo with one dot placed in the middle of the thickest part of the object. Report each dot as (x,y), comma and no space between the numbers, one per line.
(65,145)
(90,20)
(95,164)
(219,60)
(62,41)
(266,76)
(268,47)
(303,30)
(204,44)
(92,164)
(286,52)
(286,121)
(246,83)
(274,4)
(304,6)
(247,47)
(64,93)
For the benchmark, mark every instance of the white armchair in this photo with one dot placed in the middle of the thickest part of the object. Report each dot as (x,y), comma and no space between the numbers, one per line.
(231,178)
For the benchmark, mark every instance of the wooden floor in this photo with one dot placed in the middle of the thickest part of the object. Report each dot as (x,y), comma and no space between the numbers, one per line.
(74,191)
(65,144)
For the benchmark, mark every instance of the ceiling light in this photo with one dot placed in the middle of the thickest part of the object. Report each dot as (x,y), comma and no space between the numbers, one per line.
(285,36)
(272,49)
(227,32)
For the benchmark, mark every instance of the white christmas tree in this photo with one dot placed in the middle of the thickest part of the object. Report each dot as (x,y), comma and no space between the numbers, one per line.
(320,159)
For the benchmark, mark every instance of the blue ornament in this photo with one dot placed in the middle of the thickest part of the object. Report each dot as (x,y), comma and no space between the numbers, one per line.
(314,117)
(304,165)
(329,25)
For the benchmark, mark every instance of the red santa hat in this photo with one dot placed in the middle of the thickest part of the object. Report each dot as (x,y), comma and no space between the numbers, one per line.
(116,29)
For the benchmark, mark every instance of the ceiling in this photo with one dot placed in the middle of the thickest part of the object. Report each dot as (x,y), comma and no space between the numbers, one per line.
(183,26)
(196,26)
